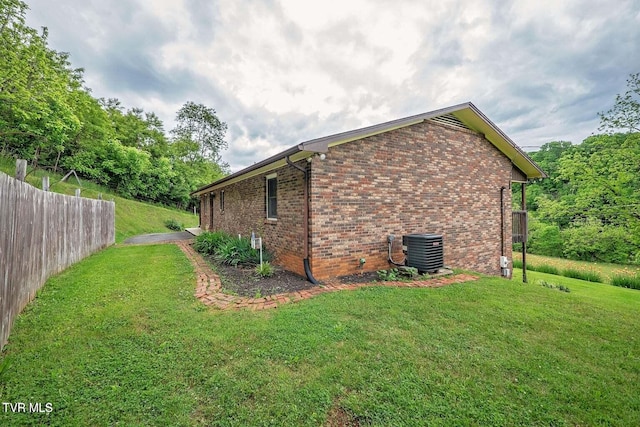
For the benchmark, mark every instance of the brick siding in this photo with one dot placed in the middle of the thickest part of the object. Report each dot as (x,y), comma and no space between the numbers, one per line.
(426,178)
(245,211)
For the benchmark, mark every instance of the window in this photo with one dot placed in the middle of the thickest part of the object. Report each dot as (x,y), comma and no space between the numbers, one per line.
(211,206)
(222,200)
(272,196)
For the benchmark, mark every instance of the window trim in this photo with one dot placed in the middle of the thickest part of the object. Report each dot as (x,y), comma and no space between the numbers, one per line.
(275,198)
(221,200)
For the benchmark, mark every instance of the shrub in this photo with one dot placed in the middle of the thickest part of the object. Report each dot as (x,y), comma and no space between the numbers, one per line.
(630,282)
(388,275)
(544,239)
(589,276)
(174,225)
(590,240)
(238,250)
(209,242)
(265,270)
(230,250)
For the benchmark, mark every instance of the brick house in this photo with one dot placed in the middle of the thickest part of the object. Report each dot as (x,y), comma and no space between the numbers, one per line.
(324,205)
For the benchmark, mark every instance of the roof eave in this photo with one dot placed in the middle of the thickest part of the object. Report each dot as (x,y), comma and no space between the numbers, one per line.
(466,112)
(476,120)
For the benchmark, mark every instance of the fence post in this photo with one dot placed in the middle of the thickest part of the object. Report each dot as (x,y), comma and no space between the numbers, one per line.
(45,183)
(21,169)
(77,192)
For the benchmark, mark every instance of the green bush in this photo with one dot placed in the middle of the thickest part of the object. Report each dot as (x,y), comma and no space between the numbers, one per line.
(229,249)
(590,240)
(589,276)
(174,225)
(544,239)
(265,270)
(209,242)
(388,275)
(630,282)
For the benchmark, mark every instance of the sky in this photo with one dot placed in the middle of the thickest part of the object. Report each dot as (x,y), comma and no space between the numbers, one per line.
(280,72)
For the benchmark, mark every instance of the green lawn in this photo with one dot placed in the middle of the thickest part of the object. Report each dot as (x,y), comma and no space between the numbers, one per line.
(120,339)
(606,271)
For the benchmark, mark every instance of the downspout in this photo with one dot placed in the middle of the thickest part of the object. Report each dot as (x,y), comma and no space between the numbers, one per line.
(307,267)
(502,220)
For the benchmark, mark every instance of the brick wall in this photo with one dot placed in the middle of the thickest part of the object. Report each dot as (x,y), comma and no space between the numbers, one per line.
(426,178)
(245,211)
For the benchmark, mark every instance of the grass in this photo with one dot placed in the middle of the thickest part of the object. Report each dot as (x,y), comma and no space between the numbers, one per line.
(604,270)
(132,217)
(626,281)
(588,275)
(120,339)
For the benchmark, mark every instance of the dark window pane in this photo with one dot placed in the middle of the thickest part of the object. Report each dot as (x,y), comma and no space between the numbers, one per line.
(272,200)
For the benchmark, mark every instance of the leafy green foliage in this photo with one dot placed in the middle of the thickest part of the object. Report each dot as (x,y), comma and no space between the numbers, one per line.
(265,269)
(544,239)
(589,207)
(199,132)
(132,217)
(229,249)
(631,282)
(388,275)
(210,241)
(238,250)
(625,113)
(48,117)
(173,224)
(589,276)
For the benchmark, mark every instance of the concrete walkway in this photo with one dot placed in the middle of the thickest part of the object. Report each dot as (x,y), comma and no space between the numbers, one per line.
(209,287)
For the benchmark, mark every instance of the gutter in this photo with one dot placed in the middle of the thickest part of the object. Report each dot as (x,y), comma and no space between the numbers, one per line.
(307,266)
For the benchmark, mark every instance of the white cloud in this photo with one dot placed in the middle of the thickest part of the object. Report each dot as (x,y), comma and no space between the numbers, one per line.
(280,72)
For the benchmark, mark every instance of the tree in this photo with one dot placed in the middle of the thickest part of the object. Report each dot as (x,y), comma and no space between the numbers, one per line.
(200,133)
(49,117)
(625,113)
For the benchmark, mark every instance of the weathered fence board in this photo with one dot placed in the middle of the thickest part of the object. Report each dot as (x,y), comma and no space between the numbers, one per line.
(41,234)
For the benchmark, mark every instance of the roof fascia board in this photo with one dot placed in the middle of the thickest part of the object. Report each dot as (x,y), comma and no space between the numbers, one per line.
(474,118)
(466,112)
(268,167)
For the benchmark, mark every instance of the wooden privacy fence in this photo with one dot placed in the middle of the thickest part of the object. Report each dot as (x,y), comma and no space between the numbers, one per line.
(41,234)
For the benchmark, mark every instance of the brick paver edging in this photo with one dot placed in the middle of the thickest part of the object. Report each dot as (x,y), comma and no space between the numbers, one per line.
(209,287)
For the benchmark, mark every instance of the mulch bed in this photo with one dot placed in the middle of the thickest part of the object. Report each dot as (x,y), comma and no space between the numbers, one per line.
(243,280)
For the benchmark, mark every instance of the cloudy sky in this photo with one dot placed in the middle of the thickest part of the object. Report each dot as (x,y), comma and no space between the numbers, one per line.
(279,72)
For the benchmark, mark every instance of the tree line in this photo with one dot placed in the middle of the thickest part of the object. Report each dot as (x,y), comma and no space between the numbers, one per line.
(49,117)
(589,206)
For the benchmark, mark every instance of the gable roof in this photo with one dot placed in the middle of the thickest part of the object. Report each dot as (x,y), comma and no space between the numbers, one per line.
(464,115)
